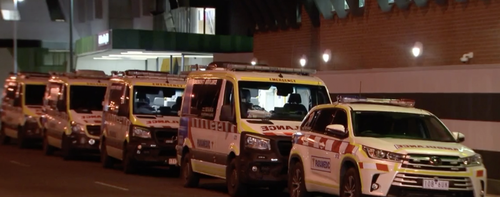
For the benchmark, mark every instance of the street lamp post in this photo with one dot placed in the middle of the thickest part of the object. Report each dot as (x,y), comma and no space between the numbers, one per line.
(15,38)
(70,65)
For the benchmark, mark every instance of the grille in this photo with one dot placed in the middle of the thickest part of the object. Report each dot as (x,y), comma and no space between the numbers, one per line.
(416,181)
(284,147)
(166,137)
(425,162)
(94,130)
(396,191)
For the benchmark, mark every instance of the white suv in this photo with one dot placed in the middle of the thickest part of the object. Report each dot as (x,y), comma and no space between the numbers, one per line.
(381,147)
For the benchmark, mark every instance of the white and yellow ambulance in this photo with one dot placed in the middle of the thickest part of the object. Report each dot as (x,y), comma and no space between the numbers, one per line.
(237,121)
(21,107)
(141,119)
(381,147)
(73,112)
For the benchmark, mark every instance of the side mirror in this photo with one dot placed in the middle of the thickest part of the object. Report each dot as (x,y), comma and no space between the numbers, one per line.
(460,137)
(337,130)
(226,113)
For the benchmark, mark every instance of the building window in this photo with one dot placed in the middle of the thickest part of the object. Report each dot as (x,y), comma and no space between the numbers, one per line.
(11,15)
(89,10)
(147,7)
(80,9)
(206,19)
(98,6)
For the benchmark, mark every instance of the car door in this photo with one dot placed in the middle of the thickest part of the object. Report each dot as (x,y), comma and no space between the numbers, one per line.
(112,124)
(227,135)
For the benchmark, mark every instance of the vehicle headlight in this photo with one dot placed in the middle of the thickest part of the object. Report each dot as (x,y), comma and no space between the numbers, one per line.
(258,143)
(382,154)
(141,132)
(474,160)
(77,128)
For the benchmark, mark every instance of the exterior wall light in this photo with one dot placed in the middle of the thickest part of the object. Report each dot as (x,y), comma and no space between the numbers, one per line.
(303,61)
(326,55)
(254,61)
(417,49)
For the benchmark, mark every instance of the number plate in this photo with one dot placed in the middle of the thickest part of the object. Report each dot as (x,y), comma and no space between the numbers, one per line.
(172,161)
(438,185)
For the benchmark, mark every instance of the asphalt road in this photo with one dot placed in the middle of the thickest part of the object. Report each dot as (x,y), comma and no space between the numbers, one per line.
(28,173)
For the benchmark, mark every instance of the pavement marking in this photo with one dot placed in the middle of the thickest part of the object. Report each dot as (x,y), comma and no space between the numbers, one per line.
(19,163)
(112,186)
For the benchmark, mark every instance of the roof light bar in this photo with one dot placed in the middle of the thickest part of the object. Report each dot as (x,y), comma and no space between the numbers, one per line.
(91,74)
(148,74)
(359,99)
(32,74)
(235,66)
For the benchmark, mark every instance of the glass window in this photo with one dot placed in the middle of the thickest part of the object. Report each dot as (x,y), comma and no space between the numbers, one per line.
(279,101)
(400,126)
(156,100)
(84,99)
(34,94)
(52,95)
(205,97)
(10,91)
(325,118)
(308,122)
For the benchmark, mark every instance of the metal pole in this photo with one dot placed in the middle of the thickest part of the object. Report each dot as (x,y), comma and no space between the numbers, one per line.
(146,64)
(157,64)
(204,19)
(182,63)
(15,40)
(70,66)
(171,65)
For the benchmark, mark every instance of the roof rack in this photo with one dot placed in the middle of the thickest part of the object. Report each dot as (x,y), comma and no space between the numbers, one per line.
(386,101)
(89,74)
(31,74)
(236,66)
(148,75)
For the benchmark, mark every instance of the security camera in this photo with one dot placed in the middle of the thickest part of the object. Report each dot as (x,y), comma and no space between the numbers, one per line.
(466,57)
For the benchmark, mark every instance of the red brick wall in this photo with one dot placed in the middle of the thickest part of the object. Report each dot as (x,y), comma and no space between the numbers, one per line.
(379,39)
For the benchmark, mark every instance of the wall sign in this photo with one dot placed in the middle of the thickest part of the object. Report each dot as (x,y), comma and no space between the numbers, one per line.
(103,39)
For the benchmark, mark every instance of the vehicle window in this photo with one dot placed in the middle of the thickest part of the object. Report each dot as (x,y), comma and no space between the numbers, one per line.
(400,125)
(84,99)
(18,96)
(205,97)
(340,118)
(115,94)
(279,101)
(308,122)
(325,118)
(62,100)
(34,94)
(229,96)
(52,95)
(156,100)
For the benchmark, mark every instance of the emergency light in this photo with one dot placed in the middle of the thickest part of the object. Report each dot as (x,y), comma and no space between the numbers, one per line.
(233,66)
(359,99)
(89,74)
(148,75)
(31,74)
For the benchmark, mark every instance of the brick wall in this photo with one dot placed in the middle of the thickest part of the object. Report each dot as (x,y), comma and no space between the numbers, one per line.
(378,39)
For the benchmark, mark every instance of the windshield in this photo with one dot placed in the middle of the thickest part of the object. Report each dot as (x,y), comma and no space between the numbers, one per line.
(86,98)
(400,125)
(279,101)
(152,100)
(34,94)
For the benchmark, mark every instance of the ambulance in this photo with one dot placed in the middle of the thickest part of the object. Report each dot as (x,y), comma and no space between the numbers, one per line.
(381,147)
(141,119)
(73,112)
(21,107)
(237,121)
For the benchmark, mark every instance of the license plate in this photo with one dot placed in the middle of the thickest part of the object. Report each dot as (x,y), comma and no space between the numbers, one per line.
(437,185)
(172,161)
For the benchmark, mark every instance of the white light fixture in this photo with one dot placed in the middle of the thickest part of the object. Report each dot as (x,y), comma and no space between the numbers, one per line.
(254,61)
(19,0)
(303,61)
(326,55)
(107,58)
(417,49)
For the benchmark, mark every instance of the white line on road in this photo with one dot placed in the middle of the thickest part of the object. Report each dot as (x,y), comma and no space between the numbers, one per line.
(19,163)
(112,186)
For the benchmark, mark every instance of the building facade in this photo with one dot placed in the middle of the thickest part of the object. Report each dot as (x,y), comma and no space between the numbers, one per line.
(381,34)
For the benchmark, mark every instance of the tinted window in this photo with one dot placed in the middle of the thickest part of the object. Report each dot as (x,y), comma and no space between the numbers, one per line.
(400,126)
(205,97)
(156,100)
(86,98)
(34,94)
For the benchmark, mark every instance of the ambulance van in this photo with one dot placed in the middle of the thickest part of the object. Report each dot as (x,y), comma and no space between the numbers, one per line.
(22,107)
(141,120)
(73,112)
(237,121)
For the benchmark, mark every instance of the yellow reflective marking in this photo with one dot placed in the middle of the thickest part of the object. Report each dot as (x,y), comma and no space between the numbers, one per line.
(89,84)
(282,80)
(156,84)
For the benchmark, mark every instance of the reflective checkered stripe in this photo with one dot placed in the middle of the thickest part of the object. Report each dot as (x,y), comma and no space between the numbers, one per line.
(92,121)
(213,125)
(326,144)
(279,133)
(374,166)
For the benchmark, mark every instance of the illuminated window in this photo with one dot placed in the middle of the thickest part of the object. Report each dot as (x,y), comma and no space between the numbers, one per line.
(11,15)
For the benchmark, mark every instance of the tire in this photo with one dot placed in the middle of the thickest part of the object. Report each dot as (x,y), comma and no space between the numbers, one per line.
(129,165)
(4,139)
(189,177)
(106,160)
(47,148)
(21,141)
(296,181)
(235,187)
(67,153)
(350,185)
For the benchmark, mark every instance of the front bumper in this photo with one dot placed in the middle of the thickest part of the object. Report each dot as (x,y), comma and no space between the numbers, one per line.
(388,179)
(148,152)
(266,168)
(32,130)
(84,143)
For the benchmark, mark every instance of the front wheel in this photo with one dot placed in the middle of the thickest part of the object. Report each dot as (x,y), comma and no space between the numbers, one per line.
(235,187)
(350,186)
(296,181)
(106,160)
(47,148)
(189,177)
(67,152)
(21,140)
(4,139)
(129,166)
